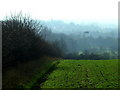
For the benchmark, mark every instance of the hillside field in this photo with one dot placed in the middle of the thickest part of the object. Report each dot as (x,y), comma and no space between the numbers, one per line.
(83,74)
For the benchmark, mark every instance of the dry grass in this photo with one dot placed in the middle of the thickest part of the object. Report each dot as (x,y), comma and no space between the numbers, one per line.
(25,75)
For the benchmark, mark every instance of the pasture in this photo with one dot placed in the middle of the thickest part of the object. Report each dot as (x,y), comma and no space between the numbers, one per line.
(83,74)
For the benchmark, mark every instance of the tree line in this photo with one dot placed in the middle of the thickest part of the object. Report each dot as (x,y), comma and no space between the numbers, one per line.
(72,45)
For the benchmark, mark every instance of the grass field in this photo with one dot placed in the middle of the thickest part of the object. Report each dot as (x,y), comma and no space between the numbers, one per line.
(83,74)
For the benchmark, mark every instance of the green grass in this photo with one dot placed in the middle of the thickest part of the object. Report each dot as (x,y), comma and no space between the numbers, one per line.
(84,74)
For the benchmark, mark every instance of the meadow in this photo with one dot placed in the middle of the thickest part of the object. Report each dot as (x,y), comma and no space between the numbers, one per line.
(83,74)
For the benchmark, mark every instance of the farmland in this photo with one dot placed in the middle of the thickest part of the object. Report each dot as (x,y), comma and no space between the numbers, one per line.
(83,74)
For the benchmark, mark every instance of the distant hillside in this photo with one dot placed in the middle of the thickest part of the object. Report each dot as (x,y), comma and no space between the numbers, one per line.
(95,30)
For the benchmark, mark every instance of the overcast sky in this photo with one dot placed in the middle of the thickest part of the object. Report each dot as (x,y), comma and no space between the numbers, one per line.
(69,10)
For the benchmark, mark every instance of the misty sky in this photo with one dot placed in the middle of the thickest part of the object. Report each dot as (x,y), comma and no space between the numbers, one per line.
(67,10)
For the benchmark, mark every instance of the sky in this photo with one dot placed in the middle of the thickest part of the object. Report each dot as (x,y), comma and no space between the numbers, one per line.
(66,10)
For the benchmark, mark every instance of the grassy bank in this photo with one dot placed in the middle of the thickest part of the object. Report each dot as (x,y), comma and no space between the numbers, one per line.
(25,75)
(84,74)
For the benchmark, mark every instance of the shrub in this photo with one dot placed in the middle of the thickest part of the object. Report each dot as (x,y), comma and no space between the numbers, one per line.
(21,39)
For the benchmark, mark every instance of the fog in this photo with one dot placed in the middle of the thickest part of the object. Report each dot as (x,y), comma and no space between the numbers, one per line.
(78,38)
(39,36)
(59,26)
(75,26)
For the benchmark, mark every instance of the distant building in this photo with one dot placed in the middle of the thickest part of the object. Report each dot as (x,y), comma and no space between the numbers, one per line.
(85,34)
